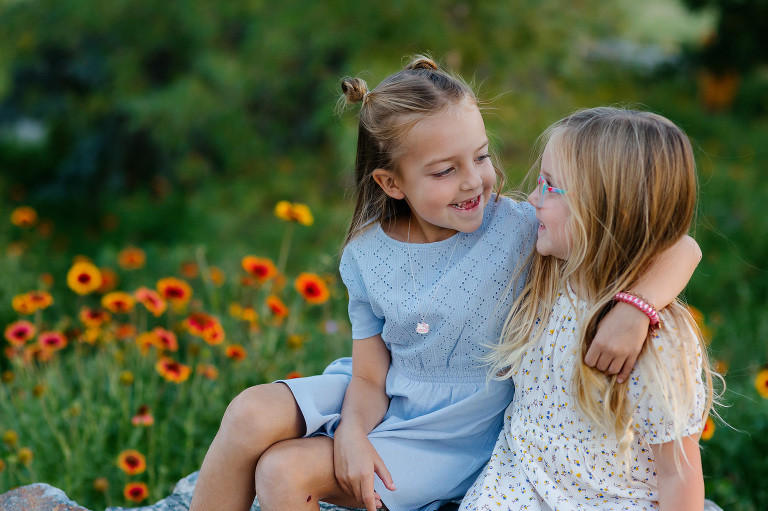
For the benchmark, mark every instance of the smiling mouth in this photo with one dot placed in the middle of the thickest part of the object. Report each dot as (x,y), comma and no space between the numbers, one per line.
(467,204)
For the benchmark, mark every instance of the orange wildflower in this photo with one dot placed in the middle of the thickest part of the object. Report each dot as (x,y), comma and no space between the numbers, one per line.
(176,291)
(207,371)
(24,216)
(260,267)
(294,212)
(84,278)
(143,417)
(125,331)
(151,300)
(312,287)
(101,484)
(91,335)
(172,370)
(136,492)
(10,438)
(19,332)
(189,269)
(22,304)
(215,335)
(236,352)
(293,374)
(146,341)
(131,258)
(52,341)
(199,323)
(118,302)
(295,341)
(217,276)
(277,306)
(709,429)
(108,280)
(166,339)
(761,383)
(24,455)
(235,310)
(132,462)
(40,299)
(46,279)
(93,318)
(249,314)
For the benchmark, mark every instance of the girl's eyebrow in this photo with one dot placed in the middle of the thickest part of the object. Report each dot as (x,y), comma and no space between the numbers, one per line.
(441,159)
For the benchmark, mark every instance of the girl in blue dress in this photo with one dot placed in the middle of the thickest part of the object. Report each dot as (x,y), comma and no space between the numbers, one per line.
(410,420)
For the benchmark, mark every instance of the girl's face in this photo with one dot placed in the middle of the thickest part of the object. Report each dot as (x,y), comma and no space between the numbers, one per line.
(446,175)
(552,211)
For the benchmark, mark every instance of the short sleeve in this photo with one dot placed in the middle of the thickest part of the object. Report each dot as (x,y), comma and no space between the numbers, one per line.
(365,323)
(680,357)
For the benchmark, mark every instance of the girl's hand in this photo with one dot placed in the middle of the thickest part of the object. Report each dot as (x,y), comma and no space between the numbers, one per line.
(620,337)
(622,332)
(356,463)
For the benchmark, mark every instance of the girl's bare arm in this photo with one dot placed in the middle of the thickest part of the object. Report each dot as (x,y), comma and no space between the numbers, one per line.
(356,462)
(679,490)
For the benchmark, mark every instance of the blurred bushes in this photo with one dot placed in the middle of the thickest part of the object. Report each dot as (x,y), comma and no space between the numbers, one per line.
(107,99)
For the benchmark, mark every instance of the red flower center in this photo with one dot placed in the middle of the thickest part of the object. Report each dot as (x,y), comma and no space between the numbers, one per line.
(19,333)
(132,461)
(260,270)
(136,491)
(312,289)
(173,367)
(174,292)
(83,278)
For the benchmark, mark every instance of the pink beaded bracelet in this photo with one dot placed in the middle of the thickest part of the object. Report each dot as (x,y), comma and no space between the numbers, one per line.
(645,307)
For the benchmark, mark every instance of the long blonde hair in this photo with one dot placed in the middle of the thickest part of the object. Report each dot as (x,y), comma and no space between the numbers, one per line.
(631,184)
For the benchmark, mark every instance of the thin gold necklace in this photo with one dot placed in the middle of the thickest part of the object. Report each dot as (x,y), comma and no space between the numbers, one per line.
(422,326)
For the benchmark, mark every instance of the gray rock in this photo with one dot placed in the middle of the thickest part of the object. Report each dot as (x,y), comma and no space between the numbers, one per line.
(43,497)
(182,495)
(37,497)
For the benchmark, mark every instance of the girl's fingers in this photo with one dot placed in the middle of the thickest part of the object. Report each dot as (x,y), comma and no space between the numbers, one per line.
(381,470)
(592,356)
(369,496)
(626,369)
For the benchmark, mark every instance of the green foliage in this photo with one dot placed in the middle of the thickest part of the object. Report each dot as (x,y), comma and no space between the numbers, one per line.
(741,35)
(139,97)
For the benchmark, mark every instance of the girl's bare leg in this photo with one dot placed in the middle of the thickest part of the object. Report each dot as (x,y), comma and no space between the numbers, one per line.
(298,474)
(256,419)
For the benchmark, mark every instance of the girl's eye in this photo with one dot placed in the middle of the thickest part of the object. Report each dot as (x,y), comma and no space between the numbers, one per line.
(443,173)
(481,159)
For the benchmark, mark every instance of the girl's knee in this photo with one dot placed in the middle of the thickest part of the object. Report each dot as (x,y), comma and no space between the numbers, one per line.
(264,413)
(280,471)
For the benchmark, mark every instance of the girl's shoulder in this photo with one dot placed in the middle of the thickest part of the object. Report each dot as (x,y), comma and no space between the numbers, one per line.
(503,208)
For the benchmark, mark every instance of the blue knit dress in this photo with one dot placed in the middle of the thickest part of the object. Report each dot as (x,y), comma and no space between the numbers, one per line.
(444,415)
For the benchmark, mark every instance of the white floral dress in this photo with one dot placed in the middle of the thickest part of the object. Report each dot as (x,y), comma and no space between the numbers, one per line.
(548,457)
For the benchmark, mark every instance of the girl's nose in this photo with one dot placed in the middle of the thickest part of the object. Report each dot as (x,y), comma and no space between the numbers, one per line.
(472,180)
(533,198)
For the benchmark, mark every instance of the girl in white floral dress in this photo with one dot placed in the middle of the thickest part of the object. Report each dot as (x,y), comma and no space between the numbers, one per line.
(617,187)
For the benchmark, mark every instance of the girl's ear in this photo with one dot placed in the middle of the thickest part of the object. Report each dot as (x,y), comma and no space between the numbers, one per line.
(387,180)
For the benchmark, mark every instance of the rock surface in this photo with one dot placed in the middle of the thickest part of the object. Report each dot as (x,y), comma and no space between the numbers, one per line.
(43,497)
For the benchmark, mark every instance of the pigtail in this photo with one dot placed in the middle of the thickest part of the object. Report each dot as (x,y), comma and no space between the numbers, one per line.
(354,90)
(421,62)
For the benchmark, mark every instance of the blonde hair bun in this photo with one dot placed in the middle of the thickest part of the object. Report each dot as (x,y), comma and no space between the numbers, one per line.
(354,89)
(421,62)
